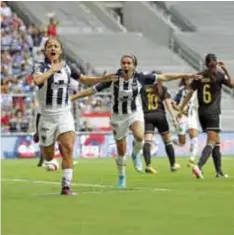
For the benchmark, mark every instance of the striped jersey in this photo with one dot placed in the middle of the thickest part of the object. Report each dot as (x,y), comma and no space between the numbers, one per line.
(125,94)
(179,98)
(54,94)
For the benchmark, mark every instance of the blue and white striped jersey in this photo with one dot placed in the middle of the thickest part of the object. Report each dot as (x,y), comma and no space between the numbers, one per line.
(125,95)
(54,94)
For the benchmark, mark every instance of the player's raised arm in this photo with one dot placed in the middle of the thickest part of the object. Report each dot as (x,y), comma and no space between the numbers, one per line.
(175,76)
(87,80)
(229,81)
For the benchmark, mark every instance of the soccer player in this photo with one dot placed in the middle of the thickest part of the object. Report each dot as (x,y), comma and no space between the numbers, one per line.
(154,99)
(53,77)
(209,98)
(187,123)
(127,110)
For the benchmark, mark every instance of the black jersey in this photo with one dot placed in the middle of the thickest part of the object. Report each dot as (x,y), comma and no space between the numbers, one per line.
(151,101)
(209,92)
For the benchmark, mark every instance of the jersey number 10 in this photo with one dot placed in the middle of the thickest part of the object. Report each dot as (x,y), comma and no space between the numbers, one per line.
(152,102)
(207,98)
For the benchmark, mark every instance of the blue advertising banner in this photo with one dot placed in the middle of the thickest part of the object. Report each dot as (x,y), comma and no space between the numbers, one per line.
(103,145)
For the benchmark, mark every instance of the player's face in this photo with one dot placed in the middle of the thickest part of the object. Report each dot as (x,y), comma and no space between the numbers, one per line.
(127,65)
(53,50)
(212,65)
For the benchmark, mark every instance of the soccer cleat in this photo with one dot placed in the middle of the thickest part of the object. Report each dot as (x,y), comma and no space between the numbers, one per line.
(137,163)
(121,182)
(191,163)
(197,172)
(150,170)
(66,191)
(221,175)
(176,167)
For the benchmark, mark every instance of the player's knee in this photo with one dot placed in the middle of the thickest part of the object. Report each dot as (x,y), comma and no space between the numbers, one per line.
(67,147)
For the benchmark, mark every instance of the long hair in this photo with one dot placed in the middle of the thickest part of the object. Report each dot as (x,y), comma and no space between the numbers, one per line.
(158,86)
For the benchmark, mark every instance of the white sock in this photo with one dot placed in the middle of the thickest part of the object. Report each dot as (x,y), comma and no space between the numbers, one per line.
(67,177)
(138,145)
(193,148)
(121,165)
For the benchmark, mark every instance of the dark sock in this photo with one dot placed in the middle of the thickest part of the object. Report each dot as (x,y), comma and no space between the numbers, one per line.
(40,160)
(205,155)
(216,155)
(170,153)
(147,153)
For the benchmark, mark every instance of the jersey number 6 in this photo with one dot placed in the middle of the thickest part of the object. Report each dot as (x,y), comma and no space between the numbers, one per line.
(206,94)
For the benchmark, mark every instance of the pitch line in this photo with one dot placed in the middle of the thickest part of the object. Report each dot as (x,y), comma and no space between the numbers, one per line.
(103,186)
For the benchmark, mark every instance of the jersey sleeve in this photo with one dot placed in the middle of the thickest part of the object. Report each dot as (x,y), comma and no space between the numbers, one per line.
(102,86)
(75,73)
(74,84)
(147,79)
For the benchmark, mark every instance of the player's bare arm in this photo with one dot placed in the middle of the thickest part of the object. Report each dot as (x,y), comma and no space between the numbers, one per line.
(40,78)
(175,76)
(87,80)
(186,100)
(230,81)
(82,94)
(168,103)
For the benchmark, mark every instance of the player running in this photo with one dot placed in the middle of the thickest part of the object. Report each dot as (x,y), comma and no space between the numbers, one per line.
(187,123)
(209,98)
(53,77)
(154,99)
(127,110)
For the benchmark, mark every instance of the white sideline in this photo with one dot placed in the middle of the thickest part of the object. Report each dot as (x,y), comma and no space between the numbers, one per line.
(83,185)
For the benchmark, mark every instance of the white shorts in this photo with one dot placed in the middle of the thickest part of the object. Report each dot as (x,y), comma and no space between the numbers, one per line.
(187,123)
(50,127)
(121,123)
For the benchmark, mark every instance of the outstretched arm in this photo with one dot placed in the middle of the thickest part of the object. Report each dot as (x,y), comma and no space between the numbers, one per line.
(91,91)
(175,76)
(84,93)
(87,80)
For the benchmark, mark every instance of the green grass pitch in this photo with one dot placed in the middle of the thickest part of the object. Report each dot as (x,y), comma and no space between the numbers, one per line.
(163,204)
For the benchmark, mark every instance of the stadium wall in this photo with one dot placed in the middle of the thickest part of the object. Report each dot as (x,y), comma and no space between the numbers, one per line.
(97,145)
(141,17)
(104,16)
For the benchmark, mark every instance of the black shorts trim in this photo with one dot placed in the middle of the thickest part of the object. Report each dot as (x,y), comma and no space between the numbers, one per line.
(210,122)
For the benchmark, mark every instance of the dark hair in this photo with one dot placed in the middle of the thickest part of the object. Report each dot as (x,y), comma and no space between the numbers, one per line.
(210,57)
(46,43)
(182,82)
(158,86)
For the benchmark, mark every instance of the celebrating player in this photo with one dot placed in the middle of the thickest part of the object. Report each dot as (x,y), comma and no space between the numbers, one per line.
(187,123)
(209,99)
(127,110)
(53,77)
(153,98)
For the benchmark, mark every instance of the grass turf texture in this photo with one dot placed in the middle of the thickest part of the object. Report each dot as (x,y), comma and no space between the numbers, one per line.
(163,204)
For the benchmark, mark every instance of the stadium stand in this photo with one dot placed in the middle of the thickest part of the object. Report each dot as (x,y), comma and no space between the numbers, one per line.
(95,46)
